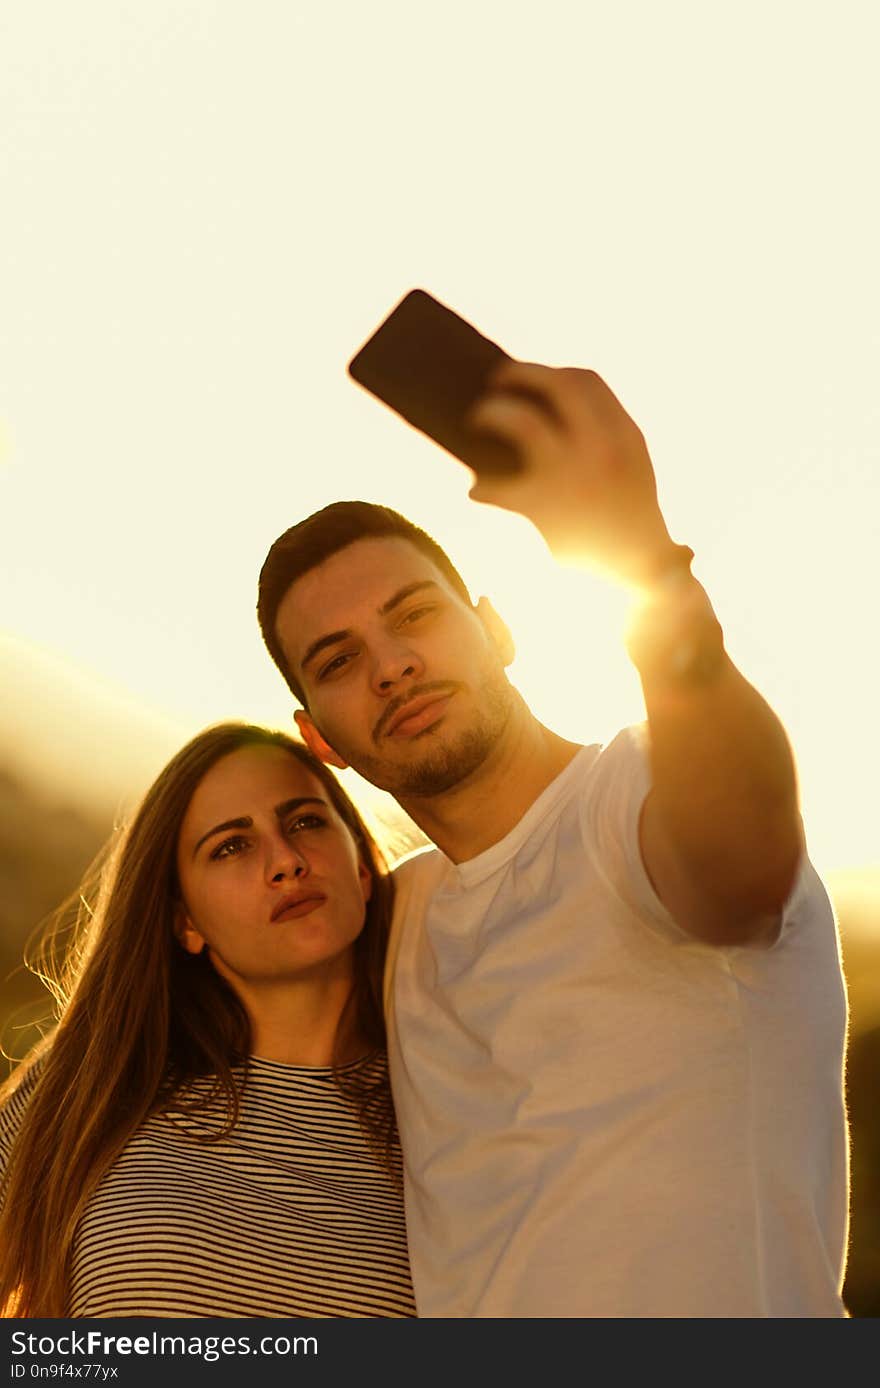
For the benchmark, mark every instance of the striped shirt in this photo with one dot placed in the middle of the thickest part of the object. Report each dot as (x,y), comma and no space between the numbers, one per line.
(289,1216)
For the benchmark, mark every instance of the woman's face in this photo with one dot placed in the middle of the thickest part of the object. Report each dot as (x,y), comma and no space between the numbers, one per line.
(271,877)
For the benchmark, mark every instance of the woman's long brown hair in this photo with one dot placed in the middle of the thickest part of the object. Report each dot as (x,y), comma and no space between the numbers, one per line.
(138,1017)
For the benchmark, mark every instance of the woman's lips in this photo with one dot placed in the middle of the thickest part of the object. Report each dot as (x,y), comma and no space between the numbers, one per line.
(303,907)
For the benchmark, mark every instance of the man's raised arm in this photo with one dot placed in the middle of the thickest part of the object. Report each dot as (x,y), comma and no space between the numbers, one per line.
(721,834)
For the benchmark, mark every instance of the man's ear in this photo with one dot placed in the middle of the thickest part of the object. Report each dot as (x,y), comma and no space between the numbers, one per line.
(186,933)
(498,631)
(315,740)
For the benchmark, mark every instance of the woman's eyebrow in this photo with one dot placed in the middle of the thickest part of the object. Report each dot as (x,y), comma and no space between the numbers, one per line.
(244,822)
(287,806)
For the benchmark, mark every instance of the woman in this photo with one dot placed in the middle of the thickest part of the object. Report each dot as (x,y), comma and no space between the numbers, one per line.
(208,1131)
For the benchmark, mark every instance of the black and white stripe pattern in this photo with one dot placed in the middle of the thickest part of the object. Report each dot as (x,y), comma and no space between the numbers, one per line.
(291,1215)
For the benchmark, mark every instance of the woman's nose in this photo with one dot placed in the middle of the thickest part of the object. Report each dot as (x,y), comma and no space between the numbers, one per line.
(287,860)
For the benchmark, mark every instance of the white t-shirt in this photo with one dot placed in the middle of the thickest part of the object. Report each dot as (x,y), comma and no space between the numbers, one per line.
(600,1115)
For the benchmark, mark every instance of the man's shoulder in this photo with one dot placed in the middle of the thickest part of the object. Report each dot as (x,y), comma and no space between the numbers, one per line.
(414,877)
(418,865)
(626,744)
(619,764)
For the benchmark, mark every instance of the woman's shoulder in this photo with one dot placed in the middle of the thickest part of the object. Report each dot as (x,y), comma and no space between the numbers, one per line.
(16,1092)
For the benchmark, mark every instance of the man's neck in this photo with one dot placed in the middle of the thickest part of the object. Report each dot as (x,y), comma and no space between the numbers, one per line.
(480,811)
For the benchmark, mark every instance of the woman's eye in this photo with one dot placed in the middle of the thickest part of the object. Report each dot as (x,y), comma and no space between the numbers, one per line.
(306,821)
(229,848)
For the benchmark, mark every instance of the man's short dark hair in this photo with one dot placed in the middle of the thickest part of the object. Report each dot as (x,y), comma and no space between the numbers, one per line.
(325,532)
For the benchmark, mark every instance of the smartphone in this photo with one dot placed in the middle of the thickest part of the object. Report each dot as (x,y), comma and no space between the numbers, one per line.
(430,366)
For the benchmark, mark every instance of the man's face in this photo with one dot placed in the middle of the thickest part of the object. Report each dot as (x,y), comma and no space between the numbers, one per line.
(403,679)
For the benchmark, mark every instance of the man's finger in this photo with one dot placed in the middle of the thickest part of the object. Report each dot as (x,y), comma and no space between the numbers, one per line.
(494,491)
(512,418)
(523,375)
(573,395)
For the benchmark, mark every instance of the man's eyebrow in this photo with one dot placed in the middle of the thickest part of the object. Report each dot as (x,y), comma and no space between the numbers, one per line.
(331,639)
(334,637)
(403,593)
(245,822)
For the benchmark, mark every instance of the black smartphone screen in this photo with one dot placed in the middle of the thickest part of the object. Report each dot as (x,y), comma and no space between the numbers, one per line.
(430,366)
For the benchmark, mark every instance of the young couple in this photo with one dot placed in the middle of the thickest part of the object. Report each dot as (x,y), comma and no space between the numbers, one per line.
(613,996)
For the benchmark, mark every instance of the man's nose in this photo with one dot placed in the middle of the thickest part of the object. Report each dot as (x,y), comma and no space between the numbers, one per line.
(394,663)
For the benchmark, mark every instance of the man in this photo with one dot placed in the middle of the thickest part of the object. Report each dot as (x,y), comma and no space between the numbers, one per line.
(615,1003)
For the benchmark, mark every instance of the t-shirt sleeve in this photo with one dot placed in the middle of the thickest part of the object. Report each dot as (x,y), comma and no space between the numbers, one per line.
(614,793)
(612,805)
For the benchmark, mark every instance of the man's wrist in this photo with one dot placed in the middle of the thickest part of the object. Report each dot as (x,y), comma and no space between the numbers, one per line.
(664,569)
(675,638)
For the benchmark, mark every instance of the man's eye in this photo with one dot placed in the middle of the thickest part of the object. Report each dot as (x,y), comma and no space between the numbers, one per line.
(416,612)
(230,848)
(337,663)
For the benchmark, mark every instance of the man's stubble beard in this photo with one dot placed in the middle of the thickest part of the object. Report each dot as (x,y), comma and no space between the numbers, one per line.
(443,765)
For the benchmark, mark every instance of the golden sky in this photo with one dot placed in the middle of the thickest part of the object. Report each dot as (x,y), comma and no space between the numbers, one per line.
(207,208)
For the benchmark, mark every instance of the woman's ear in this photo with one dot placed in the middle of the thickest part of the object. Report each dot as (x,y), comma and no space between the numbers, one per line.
(366,880)
(186,933)
(316,742)
(497,630)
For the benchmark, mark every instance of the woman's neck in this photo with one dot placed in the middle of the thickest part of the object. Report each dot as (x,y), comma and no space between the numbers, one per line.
(296,1022)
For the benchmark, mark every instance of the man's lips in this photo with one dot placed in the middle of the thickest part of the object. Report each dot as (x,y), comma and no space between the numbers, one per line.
(418,713)
(292,907)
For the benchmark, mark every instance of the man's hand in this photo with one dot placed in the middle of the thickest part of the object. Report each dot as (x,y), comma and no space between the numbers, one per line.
(587,482)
